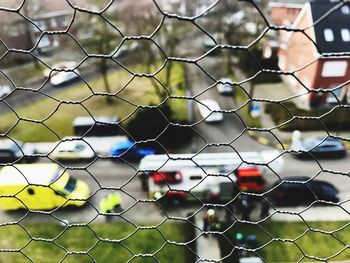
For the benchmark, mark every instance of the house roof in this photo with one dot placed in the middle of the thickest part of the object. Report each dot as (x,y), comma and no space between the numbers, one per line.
(331,26)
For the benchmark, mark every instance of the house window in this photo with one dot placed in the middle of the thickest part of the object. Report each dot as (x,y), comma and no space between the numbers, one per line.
(15,30)
(63,21)
(335,94)
(53,23)
(334,69)
(345,34)
(345,10)
(40,26)
(44,42)
(328,35)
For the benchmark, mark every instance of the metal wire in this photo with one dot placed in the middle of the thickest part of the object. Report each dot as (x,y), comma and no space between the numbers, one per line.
(165,33)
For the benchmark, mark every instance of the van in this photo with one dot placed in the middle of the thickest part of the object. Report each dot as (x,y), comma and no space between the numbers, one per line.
(192,184)
(97,126)
(40,187)
(206,176)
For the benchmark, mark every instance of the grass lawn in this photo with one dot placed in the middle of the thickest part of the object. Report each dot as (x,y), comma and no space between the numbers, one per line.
(293,241)
(49,119)
(117,242)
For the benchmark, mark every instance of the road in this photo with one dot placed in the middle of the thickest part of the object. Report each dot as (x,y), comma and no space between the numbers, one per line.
(229,135)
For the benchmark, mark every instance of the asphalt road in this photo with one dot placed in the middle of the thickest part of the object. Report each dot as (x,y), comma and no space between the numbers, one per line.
(229,135)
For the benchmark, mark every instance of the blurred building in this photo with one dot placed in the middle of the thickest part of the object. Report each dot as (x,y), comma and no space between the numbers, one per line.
(23,32)
(318,53)
(281,14)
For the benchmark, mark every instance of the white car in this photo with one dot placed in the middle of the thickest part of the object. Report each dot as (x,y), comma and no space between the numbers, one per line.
(61,65)
(210,111)
(4,91)
(225,86)
(126,48)
(64,77)
(72,150)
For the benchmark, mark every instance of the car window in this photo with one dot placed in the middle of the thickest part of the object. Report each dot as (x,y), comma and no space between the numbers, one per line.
(6,153)
(325,147)
(310,143)
(123,149)
(79,147)
(71,184)
(328,189)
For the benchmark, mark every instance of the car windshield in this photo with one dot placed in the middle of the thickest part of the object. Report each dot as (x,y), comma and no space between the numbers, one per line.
(79,147)
(17,146)
(70,185)
(310,143)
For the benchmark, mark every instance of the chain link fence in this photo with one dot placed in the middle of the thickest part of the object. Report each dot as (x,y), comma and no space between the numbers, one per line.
(174,131)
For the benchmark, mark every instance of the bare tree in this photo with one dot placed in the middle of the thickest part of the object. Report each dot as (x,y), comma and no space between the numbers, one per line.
(102,40)
(142,19)
(28,10)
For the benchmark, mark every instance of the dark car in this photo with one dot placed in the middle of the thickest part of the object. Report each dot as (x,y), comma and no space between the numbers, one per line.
(129,150)
(294,191)
(319,147)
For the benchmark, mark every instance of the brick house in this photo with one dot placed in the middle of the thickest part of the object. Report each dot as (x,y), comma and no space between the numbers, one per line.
(280,14)
(46,15)
(319,55)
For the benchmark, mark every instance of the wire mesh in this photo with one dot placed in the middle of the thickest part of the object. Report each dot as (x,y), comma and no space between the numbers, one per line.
(167,131)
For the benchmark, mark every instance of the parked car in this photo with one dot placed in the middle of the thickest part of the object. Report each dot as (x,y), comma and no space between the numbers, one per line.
(225,86)
(64,77)
(4,91)
(12,151)
(129,150)
(73,150)
(127,48)
(318,147)
(48,72)
(210,111)
(294,191)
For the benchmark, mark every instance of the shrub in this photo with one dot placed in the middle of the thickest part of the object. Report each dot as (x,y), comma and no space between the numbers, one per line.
(153,123)
(333,120)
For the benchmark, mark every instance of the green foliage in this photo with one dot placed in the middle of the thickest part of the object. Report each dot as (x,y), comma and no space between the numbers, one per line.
(150,123)
(153,124)
(333,120)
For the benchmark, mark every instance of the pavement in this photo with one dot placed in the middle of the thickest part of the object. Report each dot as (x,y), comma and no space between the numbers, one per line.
(208,249)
